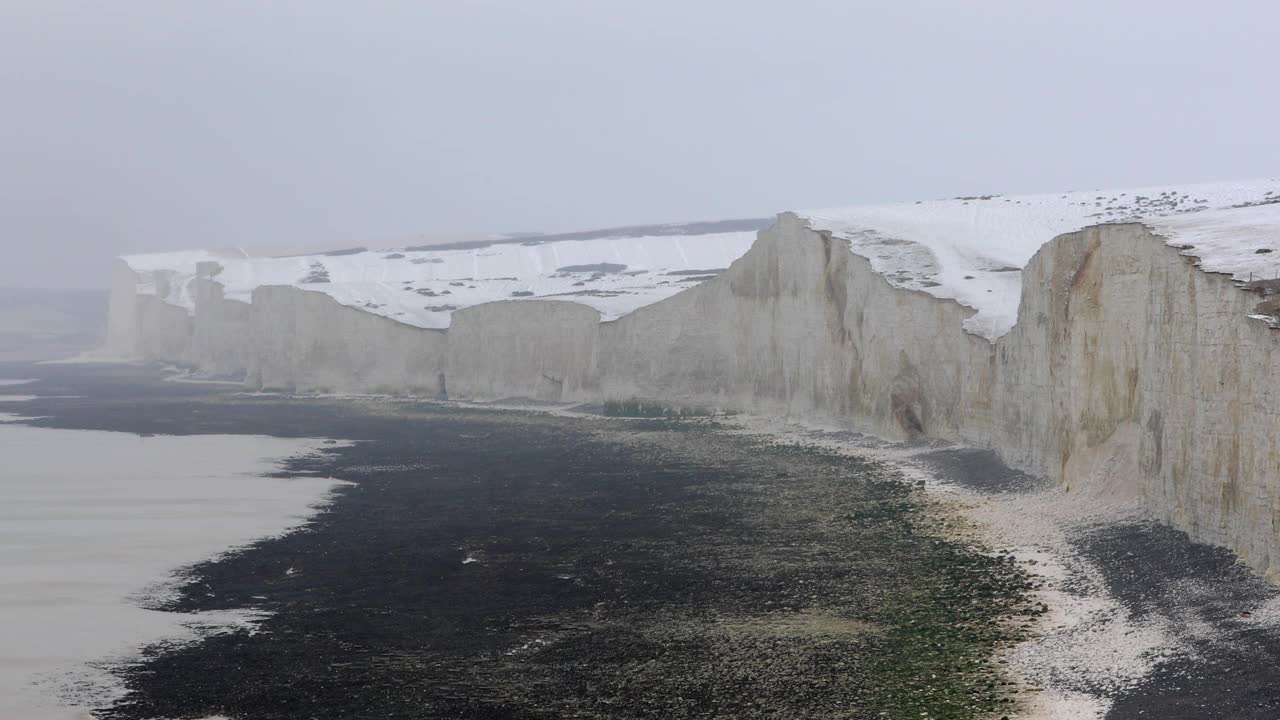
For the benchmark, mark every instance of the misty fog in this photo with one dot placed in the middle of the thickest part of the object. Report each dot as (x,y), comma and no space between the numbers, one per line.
(145,126)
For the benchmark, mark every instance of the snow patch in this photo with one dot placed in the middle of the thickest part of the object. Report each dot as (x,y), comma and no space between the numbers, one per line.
(424,287)
(1242,242)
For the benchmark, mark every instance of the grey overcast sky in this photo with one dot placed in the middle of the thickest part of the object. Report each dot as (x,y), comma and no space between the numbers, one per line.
(132,125)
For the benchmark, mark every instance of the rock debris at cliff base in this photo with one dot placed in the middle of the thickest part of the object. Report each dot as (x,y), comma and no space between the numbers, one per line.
(1142,621)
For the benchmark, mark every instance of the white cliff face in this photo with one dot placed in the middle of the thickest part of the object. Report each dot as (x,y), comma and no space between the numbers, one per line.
(218,329)
(122,315)
(801,326)
(541,350)
(306,342)
(1131,371)
(1137,366)
(164,331)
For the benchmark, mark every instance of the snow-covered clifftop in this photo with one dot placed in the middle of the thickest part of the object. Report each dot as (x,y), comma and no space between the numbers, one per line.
(970,249)
(1128,353)
(423,286)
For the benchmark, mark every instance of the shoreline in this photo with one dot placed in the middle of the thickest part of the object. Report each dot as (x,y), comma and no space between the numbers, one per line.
(1143,622)
(97,525)
(1101,649)
(758,578)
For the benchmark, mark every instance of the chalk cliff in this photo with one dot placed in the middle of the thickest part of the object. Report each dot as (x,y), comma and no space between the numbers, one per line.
(307,342)
(1132,371)
(1108,359)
